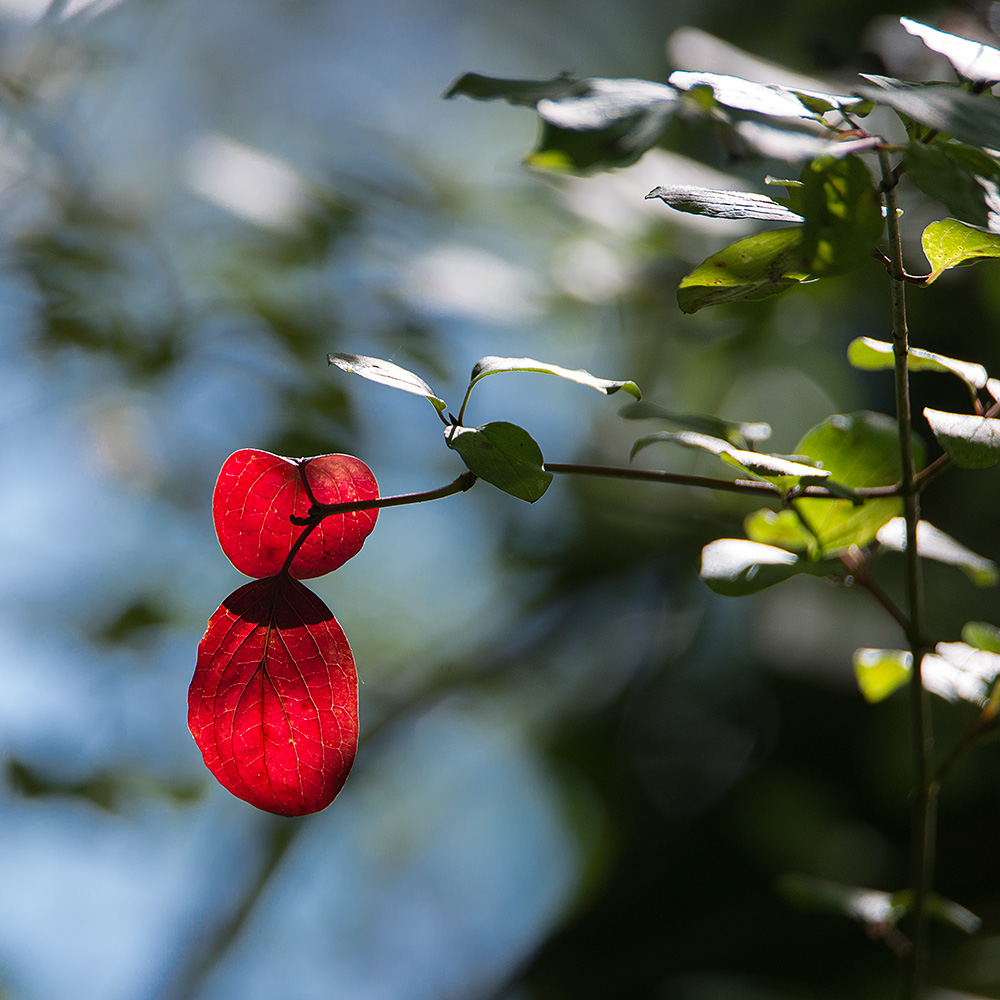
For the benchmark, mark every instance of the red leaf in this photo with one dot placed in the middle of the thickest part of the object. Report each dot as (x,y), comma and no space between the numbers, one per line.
(273,705)
(257,492)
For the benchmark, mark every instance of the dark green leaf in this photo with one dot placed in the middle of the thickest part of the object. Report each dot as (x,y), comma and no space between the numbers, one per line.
(859,450)
(958,175)
(523,92)
(766,99)
(932,543)
(386,373)
(971,442)
(738,434)
(843,215)
(723,204)
(876,355)
(940,106)
(949,243)
(752,268)
(972,60)
(502,454)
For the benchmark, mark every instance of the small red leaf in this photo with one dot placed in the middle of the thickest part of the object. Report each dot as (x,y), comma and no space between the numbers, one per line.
(258,492)
(273,705)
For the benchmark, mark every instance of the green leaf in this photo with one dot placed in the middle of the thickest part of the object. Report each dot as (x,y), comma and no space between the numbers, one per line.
(386,373)
(503,454)
(782,528)
(843,215)
(796,147)
(974,119)
(982,635)
(932,543)
(735,567)
(495,366)
(859,450)
(958,175)
(761,466)
(723,204)
(972,60)
(876,355)
(522,92)
(949,242)
(767,99)
(753,268)
(736,433)
(880,672)
(957,671)
(971,442)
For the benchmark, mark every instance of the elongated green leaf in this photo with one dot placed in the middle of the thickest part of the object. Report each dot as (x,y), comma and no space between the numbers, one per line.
(932,543)
(386,373)
(973,60)
(877,355)
(738,434)
(723,204)
(859,450)
(495,366)
(752,268)
(974,119)
(956,174)
(971,442)
(982,635)
(735,567)
(949,243)
(766,99)
(880,672)
(843,215)
(782,528)
(760,466)
(503,454)
(523,92)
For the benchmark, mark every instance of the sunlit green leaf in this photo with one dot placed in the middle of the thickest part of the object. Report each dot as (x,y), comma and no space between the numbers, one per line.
(932,543)
(974,119)
(956,174)
(880,672)
(982,635)
(875,355)
(723,204)
(860,450)
(494,366)
(753,268)
(735,567)
(736,433)
(949,242)
(843,215)
(782,528)
(502,454)
(766,99)
(386,373)
(794,146)
(971,442)
(973,60)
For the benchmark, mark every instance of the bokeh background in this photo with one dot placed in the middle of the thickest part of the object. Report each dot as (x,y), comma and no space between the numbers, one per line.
(582,774)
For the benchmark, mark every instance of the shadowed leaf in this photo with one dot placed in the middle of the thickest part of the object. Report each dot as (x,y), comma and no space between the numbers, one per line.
(502,454)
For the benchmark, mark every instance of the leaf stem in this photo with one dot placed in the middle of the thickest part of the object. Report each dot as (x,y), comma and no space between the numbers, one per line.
(924,798)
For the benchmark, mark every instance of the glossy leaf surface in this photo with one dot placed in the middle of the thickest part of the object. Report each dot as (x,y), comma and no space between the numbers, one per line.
(504,455)
(256,494)
(386,373)
(723,204)
(973,60)
(878,355)
(495,366)
(273,705)
(949,243)
(932,543)
(971,441)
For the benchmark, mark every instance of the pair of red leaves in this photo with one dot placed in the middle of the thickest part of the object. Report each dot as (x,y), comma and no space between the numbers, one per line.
(273,705)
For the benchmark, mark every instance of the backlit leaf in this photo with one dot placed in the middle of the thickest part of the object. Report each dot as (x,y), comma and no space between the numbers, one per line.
(257,493)
(494,366)
(874,355)
(971,441)
(273,705)
(973,60)
(723,204)
(387,373)
(782,528)
(880,672)
(752,268)
(502,454)
(932,543)
(949,243)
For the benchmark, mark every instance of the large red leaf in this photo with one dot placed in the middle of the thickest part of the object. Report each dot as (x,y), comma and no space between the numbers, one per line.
(257,492)
(273,705)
